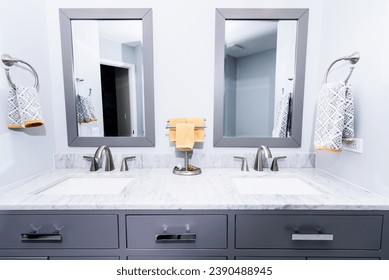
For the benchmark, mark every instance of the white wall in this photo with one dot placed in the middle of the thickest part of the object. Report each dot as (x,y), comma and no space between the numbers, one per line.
(363,27)
(184,35)
(183,70)
(23,35)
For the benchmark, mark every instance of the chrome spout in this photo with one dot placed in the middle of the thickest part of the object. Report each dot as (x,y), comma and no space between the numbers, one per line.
(263,151)
(109,165)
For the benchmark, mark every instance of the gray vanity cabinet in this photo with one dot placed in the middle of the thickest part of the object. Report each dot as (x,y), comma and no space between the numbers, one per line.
(194,234)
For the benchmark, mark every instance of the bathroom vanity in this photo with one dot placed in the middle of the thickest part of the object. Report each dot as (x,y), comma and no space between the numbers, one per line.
(162,216)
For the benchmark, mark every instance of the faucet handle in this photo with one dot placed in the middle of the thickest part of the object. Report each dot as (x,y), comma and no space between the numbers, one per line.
(274,165)
(245,166)
(124,166)
(94,164)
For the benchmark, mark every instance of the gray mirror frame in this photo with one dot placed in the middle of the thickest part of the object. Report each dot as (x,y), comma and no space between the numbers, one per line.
(301,15)
(66,16)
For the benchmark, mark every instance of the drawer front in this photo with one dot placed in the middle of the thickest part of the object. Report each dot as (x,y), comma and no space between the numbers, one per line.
(84,258)
(76,231)
(176,231)
(308,232)
(270,258)
(174,258)
(24,258)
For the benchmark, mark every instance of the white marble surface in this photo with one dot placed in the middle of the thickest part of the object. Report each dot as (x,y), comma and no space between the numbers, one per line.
(214,189)
(202,160)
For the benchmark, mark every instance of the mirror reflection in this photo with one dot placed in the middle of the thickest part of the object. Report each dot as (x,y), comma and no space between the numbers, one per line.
(108,77)
(259,74)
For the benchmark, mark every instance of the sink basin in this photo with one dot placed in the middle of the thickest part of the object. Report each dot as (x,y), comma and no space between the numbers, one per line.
(85,186)
(275,185)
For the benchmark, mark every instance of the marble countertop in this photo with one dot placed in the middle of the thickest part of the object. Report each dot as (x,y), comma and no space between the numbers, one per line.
(214,189)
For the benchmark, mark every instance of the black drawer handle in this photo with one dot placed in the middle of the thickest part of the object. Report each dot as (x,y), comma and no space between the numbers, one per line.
(34,236)
(175,238)
(312,236)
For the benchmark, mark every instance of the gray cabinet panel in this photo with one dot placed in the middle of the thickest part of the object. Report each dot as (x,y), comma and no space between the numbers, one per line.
(275,231)
(84,258)
(174,258)
(24,258)
(270,258)
(210,231)
(341,258)
(78,231)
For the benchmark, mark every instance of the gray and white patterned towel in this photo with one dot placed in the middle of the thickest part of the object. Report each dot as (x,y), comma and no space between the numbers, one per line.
(24,109)
(14,120)
(85,110)
(335,117)
(280,128)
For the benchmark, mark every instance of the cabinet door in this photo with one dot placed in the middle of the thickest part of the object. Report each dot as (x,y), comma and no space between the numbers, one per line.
(176,231)
(309,232)
(76,231)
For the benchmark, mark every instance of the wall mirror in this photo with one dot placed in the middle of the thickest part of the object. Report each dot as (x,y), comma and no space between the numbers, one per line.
(259,77)
(108,76)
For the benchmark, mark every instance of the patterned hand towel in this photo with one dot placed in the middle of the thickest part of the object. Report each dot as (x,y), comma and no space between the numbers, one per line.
(280,128)
(24,109)
(335,117)
(85,110)
(14,120)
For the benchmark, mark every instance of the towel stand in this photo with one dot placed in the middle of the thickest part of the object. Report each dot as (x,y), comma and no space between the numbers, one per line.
(353,59)
(10,61)
(187,169)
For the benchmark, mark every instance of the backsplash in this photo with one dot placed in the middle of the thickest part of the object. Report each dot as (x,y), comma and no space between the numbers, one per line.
(202,160)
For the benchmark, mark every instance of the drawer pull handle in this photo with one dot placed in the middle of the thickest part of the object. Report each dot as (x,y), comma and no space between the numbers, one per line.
(175,238)
(312,237)
(34,236)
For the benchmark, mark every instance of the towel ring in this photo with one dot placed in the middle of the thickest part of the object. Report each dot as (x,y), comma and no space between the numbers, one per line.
(10,61)
(353,59)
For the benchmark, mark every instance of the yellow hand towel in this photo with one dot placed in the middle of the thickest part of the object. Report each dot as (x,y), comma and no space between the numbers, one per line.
(199,132)
(185,136)
(172,131)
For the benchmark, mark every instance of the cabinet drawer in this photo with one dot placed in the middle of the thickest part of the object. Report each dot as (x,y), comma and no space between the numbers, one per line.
(176,231)
(84,258)
(308,232)
(77,231)
(174,258)
(270,258)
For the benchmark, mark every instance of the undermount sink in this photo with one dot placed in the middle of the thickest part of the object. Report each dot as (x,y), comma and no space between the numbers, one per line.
(274,185)
(88,186)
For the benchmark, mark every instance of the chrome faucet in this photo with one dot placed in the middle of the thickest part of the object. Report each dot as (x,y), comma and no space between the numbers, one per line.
(262,150)
(109,166)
